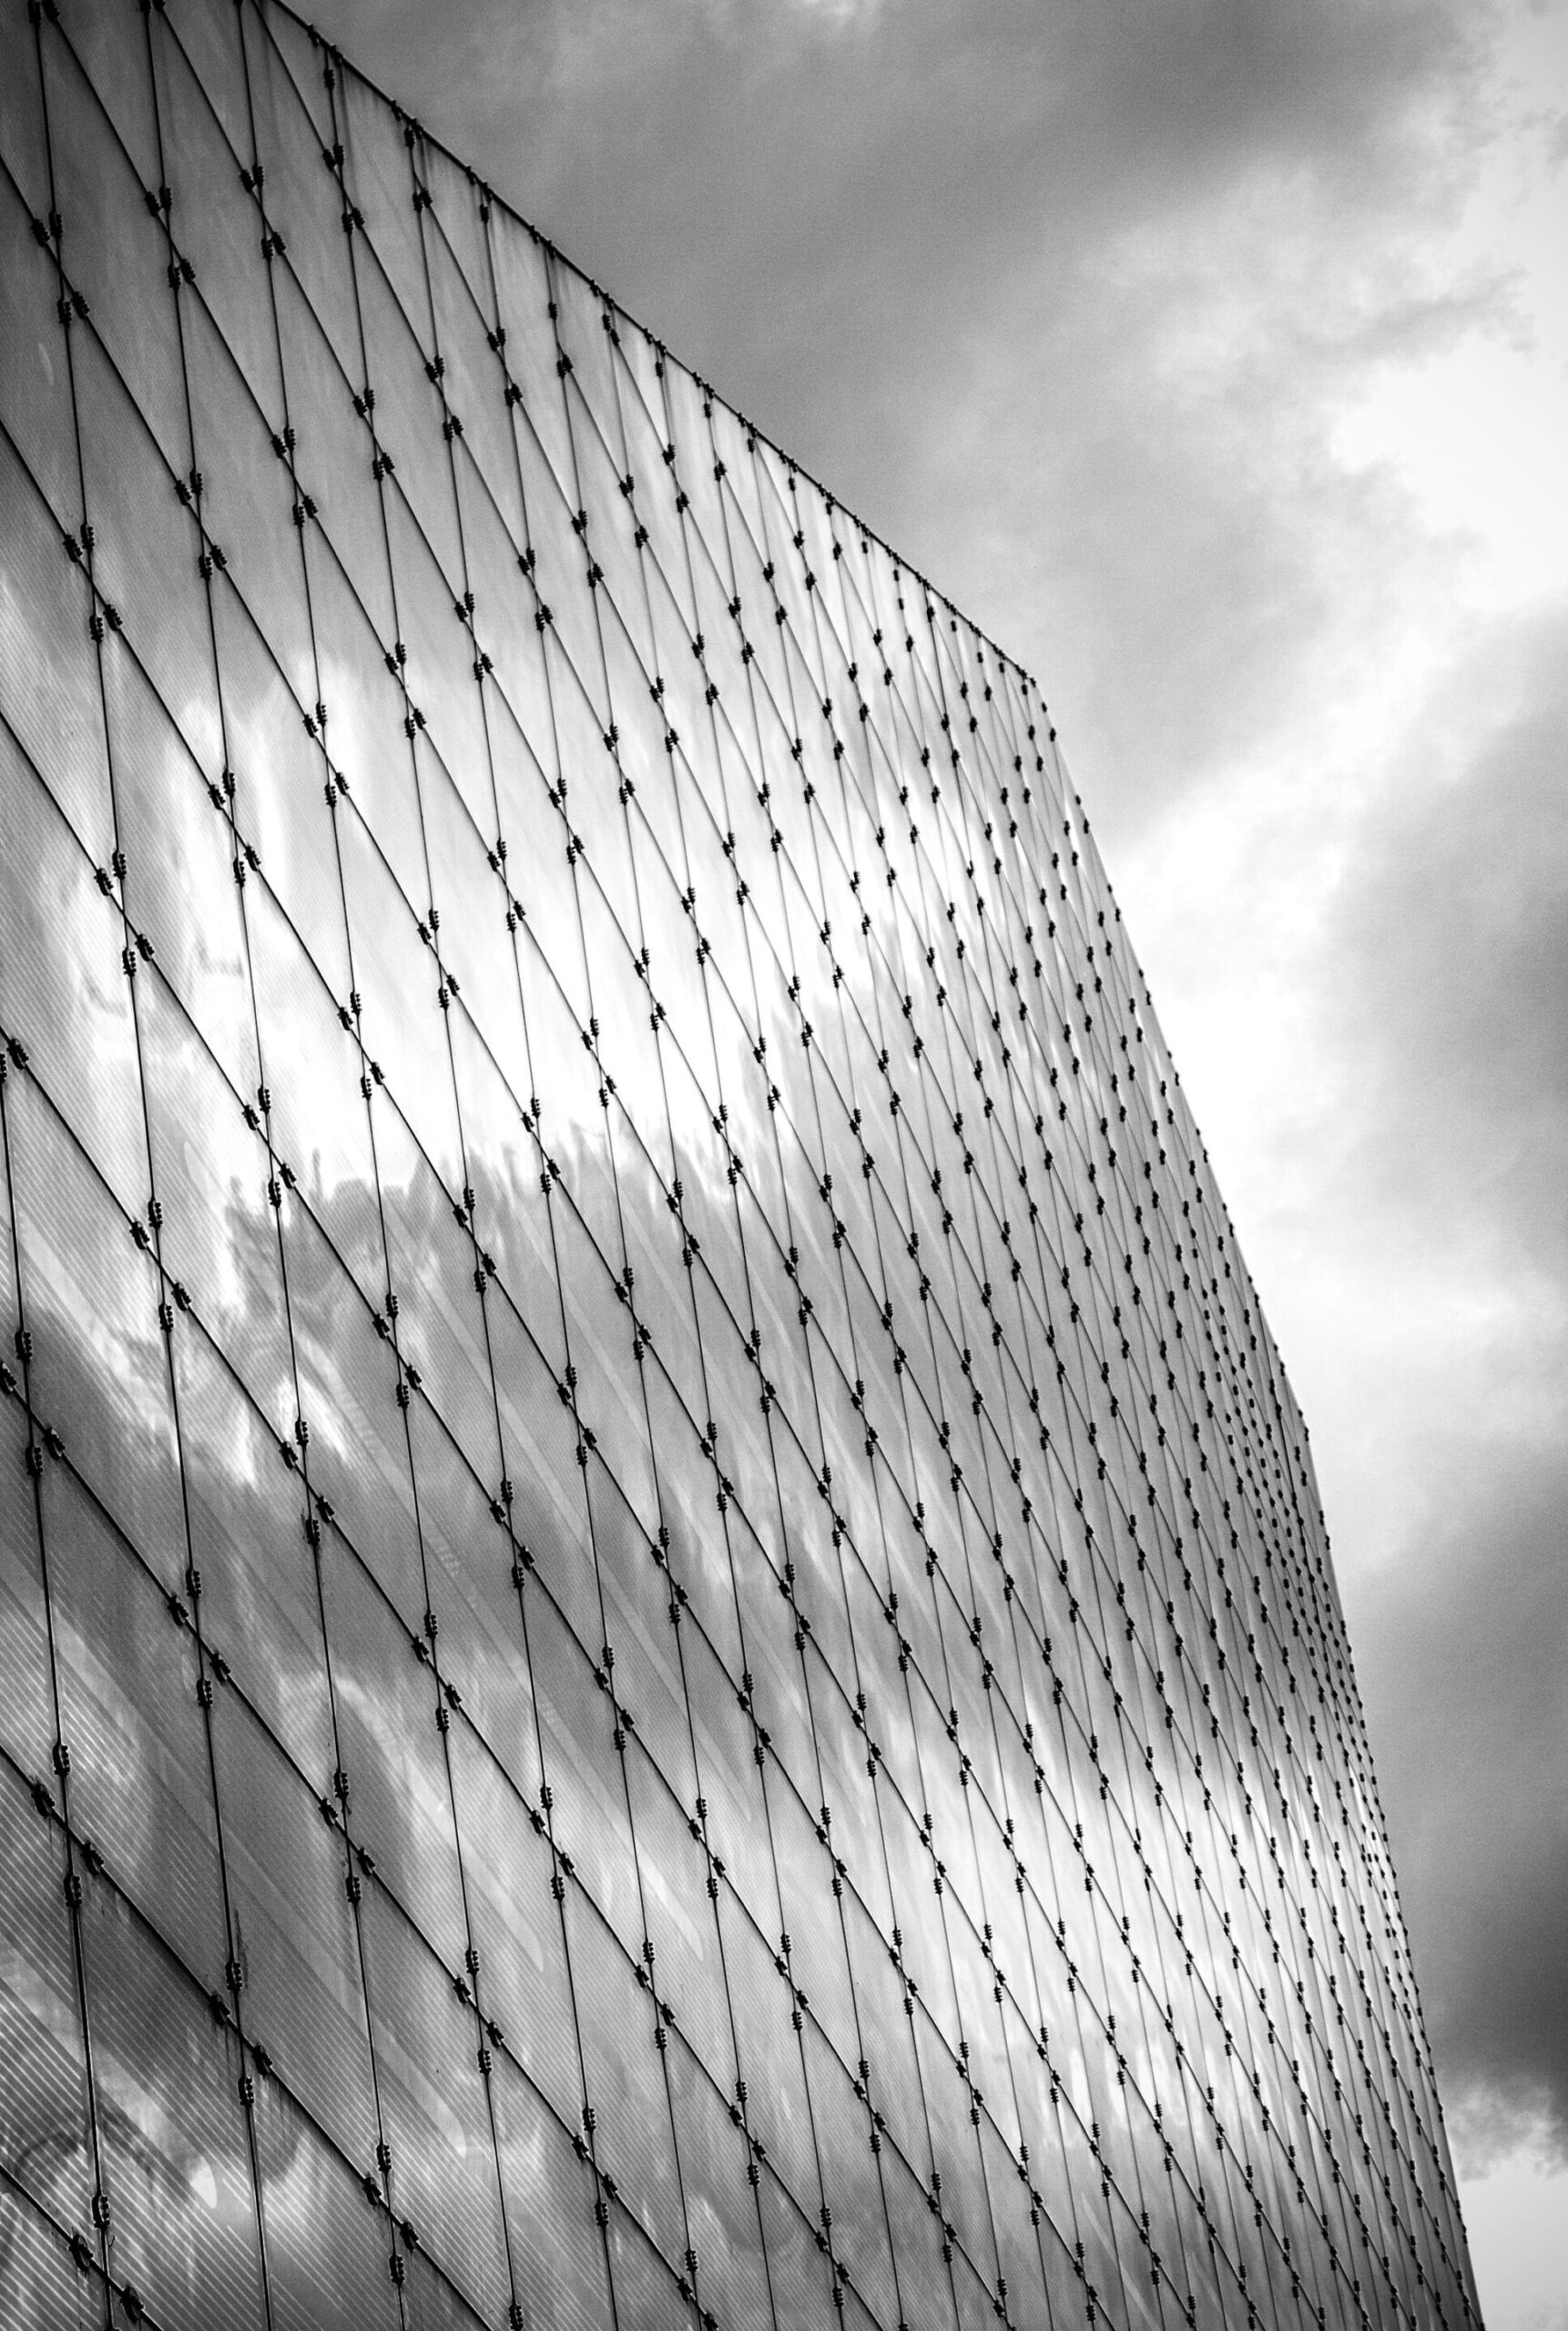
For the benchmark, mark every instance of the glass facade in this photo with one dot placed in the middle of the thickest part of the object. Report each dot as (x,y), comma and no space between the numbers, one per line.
(666,1652)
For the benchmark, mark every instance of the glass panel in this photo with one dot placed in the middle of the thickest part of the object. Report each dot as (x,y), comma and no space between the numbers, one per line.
(179,890)
(221,240)
(372,759)
(625,2077)
(177,2165)
(44,2107)
(303,201)
(473,377)
(22,138)
(140,1781)
(726,2228)
(113,252)
(294,1926)
(438,674)
(327,2250)
(249,501)
(145,564)
(45,2282)
(61,977)
(522,297)
(98,1373)
(591,1823)
(407,418)
(213,46)
(797,2272)
(382,174)
(384,1702)
(558,2254)
(35,380)
(219,1239)
(401,1022)
(769,2053)
(278,806)
(444,2174)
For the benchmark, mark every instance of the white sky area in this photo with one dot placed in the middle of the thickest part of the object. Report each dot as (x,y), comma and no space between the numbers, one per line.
(1477,434)
(1227,898)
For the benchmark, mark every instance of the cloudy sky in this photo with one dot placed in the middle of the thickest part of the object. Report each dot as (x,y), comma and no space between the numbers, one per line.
(1214,354)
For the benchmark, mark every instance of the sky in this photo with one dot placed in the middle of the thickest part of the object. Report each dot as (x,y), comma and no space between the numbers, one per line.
(1213,354)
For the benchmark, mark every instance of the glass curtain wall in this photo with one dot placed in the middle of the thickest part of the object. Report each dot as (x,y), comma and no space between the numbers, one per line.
(666,1651)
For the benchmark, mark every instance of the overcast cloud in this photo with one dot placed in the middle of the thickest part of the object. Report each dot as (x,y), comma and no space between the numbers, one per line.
(1207,351)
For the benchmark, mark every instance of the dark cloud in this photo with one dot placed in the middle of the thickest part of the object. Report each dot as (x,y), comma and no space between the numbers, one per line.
(1450,949)
(1461,1650)
(1452,964)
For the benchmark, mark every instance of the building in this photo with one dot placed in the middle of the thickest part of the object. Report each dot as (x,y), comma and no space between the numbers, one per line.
(668,1649)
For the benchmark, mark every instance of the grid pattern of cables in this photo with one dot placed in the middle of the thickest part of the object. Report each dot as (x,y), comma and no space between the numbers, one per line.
(666,1652)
